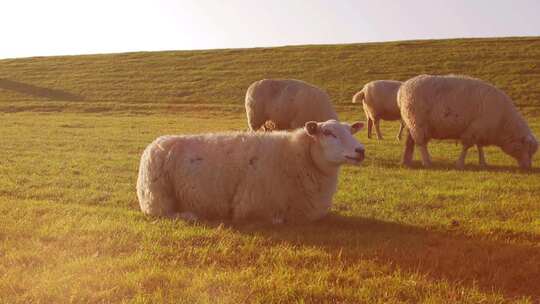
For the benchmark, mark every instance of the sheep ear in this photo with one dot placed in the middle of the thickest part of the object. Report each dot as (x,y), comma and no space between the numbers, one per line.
(356,126)
(312,128)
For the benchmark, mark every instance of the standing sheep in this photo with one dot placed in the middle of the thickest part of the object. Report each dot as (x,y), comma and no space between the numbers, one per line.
(288,103)
(468,109)
(379,100)
(278,176)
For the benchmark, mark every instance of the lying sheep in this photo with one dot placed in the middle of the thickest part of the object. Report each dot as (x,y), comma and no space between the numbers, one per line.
(288,103)
(275,176)
(379,100)
(463,108)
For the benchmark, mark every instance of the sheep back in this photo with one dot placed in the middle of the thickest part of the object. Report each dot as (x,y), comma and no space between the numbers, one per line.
(288,103)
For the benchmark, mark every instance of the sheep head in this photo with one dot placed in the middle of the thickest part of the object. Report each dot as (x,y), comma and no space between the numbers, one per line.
(335,141)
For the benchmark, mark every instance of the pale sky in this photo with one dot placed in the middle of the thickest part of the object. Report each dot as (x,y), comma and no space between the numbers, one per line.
(58,27)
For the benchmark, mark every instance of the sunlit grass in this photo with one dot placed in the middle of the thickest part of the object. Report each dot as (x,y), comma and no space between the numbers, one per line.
(71,229)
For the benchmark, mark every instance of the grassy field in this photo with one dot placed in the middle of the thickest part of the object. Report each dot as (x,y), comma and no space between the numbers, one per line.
(72,130)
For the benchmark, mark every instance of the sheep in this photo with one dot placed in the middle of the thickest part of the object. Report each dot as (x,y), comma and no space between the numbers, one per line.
(466,109)
(379,100)
(274,176)
(288,103)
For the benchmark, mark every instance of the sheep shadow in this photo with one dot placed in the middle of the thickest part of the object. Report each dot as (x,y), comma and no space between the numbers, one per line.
(440,166)
(37,91)
(509,267)
(450,166)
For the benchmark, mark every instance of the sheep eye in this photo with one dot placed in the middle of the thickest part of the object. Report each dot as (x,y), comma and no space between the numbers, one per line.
(328,133)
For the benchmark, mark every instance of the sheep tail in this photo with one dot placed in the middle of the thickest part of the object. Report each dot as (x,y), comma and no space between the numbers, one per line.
(359,97)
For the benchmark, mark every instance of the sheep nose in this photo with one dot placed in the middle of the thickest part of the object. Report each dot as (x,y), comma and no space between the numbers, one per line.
(360,152)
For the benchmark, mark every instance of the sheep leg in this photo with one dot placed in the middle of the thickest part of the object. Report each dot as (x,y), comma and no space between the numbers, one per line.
(469,138)
(369,127)
(408,150)
(481,157)
(460,164)
(401,126)
(426,158)
(377,129)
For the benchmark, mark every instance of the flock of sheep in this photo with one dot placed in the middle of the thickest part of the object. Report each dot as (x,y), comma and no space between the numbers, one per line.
(290,175)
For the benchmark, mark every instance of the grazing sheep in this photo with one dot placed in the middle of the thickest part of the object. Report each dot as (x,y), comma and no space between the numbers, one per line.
(379,100)
(463,108)
(288,103)
(275,176)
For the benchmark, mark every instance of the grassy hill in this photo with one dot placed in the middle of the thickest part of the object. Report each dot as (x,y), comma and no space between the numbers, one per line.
(222,76)
(72,130)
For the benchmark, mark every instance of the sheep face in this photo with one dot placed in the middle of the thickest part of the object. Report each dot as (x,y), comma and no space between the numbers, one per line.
(522,150)
(336,141)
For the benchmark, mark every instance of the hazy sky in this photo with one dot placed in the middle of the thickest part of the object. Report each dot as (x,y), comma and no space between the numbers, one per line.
(54,27)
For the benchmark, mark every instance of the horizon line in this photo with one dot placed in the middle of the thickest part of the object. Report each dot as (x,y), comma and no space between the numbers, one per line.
(272,46)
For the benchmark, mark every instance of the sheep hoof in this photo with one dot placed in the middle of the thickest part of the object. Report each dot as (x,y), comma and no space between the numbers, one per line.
(278,220)
(427,164)
(186,216)
(406,164)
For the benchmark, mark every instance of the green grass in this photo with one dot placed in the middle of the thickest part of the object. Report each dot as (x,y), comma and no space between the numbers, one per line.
(71,231)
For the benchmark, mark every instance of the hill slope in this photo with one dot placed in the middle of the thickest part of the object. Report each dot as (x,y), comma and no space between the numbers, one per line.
(221,76)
